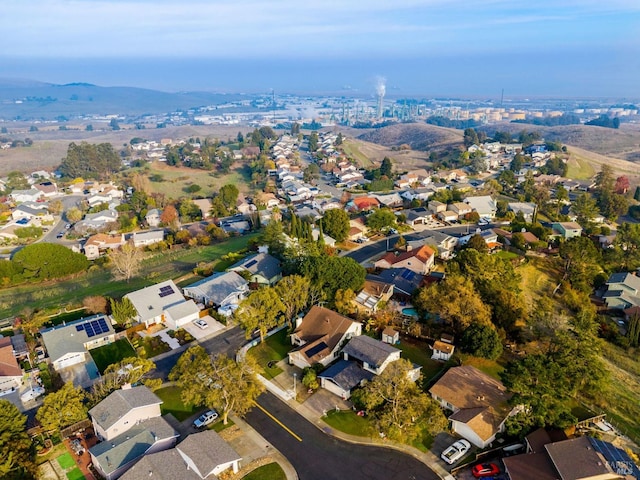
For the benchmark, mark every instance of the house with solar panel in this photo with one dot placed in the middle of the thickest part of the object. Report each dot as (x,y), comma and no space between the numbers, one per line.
(69,344)
(373,295)
(163,303)
(264,269)
(218,290)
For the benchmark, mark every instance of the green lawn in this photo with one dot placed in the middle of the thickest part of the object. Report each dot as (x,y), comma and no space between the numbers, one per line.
(274,348)
(45,376)
(75,474)
(419,353)
(490,367)
(149,347)
(158,267)
(506,255)
(173,404)
(65,461)
(112,353)
(270,471)
(349,422)
(219,426)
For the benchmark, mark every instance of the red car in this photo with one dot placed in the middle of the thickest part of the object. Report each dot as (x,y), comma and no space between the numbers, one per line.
(485,470)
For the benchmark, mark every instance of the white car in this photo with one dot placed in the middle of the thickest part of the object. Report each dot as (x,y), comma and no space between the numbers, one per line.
(456,451)
(201,323)
(205,419)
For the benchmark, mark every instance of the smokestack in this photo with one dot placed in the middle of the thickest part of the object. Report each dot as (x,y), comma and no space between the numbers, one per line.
(381,89)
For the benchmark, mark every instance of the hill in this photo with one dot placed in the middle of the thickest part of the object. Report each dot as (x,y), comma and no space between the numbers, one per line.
(419,136)
(30,100)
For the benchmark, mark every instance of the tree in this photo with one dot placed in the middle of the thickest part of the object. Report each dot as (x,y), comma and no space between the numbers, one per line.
(113,124)
(293,291)
(131,370)
(335,223)
(401,410)
(95,304)
(90,161)
(123,311)
(343,301)
(229,196)
(386,168)
(310,379)
(585,208)
(273,236)
(470,137)
(44,261)
(16,451)
(517,163)
(311,172)
(217,382)
(169,216)
(125,261)
(456,301)
(262,310)
(581,262)
(62,408)
(16,181)
(481,341)
(330,274)
(380,219)
(313,141)
(477,243)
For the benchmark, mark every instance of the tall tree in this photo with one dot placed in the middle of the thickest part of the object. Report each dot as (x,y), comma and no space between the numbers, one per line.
(125,261)
(386,168)
(229,196)
(401,410)
(16,449)
(335,223)
(481,341)
(62,408)
(380,219)
(169,216)
(123,311)
(217,382)
(262,310)
(293,291)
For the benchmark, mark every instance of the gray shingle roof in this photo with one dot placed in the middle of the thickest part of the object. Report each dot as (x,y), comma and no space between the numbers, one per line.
(346,375)
(120,402)
(207,450)
(369,350)
(217,287)
(67,338)
(165,465)
(259,263)
(132,444)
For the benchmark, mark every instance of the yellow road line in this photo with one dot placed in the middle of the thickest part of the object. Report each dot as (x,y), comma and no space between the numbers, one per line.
(279,423)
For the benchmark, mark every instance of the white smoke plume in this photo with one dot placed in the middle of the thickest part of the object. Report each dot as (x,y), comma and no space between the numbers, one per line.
(381,87)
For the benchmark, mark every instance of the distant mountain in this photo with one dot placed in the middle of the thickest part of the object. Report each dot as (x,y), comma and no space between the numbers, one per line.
(31,100)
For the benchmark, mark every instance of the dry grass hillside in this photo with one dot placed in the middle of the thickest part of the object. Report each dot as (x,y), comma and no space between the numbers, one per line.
(419,136)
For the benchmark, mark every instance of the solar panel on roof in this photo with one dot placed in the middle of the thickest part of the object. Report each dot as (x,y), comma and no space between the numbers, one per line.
(166,290)
(89,330)
(316,349)
(103,325)
(96,327)
(79,328)
(251,264)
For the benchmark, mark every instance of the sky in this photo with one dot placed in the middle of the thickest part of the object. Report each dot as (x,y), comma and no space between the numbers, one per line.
(454,47)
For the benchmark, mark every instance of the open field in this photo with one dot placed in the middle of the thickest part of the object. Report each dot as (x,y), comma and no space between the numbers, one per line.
(585,160)
(537,279)
(159,267)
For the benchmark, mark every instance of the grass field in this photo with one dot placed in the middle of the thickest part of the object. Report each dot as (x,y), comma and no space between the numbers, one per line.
(65,461)
(351,149)
(75,474)
(537,279)
(579,168)
(173,404)
(156,268)
(274,348)
(349,422)
(419,353)
(270,471)
(112,353)
(490,367)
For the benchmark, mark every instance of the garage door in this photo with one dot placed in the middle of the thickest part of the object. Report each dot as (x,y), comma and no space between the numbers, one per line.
(72,359)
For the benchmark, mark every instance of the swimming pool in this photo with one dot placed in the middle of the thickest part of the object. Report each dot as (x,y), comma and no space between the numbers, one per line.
(412,312)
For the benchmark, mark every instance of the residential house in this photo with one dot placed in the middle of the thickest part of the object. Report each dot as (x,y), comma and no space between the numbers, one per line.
(152,218)
(204,204)
(97,221)
(371,354)
(442,349)
(566,230)
(221,288)
(31,195)
(359,223)
(528,237)
(10,371)
(390,336)
(328,241)
(391,200)
(422,194)
(163,303)
(419,177)
(143,239)
(48,189)
(97,244)
(527,209)
(419,260)
(404,281)
(372,295)
(460,208)
(343,377)
(443,243)
(203,455)
(143,432)
(623,291)
(68,344)
(489,236)
(30,212)
(447,216)
(436,207)
(263,268)
(319,336)
(418,216)
(485,205)
(580,458)
(122,410)
(363,204)
(478,402)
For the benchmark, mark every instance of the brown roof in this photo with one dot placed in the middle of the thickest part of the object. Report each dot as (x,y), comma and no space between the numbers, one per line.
(102,239)
(390,331)
(377,289)
(423,254)
(530,466)
(354,231)
(576,458)
(443,347)
(467,387)
(8,364)
(484,421)
(365,202)
(321,325)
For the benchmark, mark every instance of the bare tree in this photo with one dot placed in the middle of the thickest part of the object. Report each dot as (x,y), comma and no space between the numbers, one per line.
(125,261)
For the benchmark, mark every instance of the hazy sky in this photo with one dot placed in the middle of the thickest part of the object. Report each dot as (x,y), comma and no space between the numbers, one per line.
(558,46)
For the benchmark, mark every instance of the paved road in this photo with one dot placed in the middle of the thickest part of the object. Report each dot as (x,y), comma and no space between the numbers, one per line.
(227,342)
(322,457)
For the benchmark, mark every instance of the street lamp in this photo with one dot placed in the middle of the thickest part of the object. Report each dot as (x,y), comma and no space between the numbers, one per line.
(295,392)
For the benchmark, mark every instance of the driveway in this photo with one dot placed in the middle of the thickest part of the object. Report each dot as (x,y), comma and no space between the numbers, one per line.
(200,333)
(81,374)
(441,443)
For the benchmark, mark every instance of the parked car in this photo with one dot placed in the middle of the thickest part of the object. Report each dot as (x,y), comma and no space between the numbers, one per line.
(205,419)
(456,451)
(201,323)
(60,235)
(485,470)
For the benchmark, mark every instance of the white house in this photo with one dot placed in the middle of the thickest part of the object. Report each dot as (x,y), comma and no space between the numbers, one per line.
(163,303)
(69,344)
(10,371)
(442,350)
(31,195)
(373,355)
(153,217)
(142,239)
(485,205)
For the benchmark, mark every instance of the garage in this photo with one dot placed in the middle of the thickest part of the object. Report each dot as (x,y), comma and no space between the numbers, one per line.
(69,360)
(181,314)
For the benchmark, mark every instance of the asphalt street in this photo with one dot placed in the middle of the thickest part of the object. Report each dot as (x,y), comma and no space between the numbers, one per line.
(318,456)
